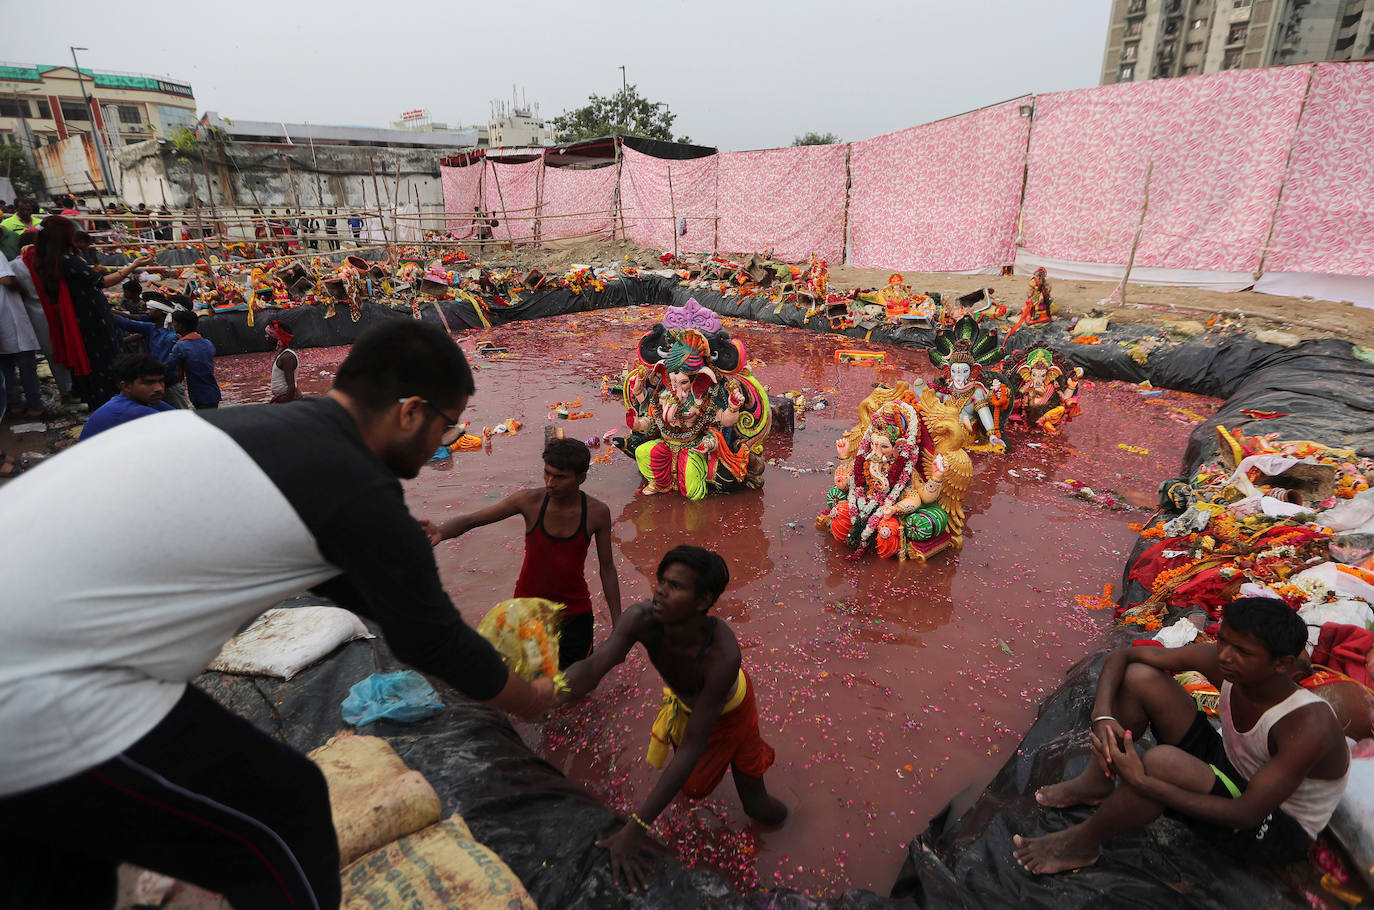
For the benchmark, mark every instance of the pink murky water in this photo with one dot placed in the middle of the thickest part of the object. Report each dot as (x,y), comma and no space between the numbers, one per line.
(885,688)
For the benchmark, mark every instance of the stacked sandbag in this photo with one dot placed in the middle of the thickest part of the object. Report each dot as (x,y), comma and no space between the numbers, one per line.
(394,850)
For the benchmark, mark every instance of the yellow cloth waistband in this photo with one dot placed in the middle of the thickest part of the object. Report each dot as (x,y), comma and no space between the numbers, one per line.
(671,724)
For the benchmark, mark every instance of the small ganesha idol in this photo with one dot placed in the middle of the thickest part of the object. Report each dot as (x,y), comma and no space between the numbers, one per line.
(902,477)
(698,417)
(1047,397)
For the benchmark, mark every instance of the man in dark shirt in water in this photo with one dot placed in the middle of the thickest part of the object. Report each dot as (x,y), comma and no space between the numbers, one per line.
(708,714)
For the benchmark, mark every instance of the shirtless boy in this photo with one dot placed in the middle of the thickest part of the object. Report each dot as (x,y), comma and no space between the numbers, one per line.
(1262,788)
(560,523)
(708,714)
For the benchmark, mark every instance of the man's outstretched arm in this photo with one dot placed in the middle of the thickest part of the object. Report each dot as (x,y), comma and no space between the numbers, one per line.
(461,524)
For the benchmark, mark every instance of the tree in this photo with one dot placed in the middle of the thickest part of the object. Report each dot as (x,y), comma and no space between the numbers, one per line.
(815,138)
(625,112)
(27,179)
(186,139)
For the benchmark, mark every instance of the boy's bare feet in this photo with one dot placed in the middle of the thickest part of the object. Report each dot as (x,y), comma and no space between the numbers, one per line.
(1075,792)
(1052,853)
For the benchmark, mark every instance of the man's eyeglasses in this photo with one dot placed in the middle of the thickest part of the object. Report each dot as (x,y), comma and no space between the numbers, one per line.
(449,422)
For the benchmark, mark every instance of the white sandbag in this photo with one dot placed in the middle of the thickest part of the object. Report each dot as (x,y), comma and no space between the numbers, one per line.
(282,642)
(1353,821)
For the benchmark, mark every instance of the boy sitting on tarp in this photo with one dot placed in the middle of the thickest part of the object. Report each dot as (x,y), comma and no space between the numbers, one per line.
(1261,789)
(708,714)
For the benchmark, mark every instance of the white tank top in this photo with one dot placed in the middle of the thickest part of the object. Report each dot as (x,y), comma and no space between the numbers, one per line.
(1313,802)
(277,384)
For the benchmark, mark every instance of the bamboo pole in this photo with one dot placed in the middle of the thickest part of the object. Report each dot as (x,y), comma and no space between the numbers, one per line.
(538,196)
(617,210)
(291,177)
(500,197)
(395,202)
(200,230)
(100,199)
(715,243)
(209,190)
(1139,229)
(315,164)
(1287,169)
(672,207)
(848,183)
(372,166)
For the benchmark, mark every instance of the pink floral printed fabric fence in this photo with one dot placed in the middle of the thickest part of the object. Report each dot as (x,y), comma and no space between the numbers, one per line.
(510,192)
(788,200)
(1326,218)
(577,203)
(1218,143)
(940,197)
(650,210)
(462,191)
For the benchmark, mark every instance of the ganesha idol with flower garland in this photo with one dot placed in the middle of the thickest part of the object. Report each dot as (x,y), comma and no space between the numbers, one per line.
(902,477)
(697,414)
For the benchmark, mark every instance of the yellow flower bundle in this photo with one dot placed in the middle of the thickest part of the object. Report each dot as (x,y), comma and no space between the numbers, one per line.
(524,631)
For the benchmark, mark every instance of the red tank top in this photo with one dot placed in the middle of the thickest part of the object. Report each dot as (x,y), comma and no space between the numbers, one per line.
(553,567)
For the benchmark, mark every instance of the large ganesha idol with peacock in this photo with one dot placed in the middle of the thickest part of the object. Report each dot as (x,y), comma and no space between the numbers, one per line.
(902,477)
(697,416)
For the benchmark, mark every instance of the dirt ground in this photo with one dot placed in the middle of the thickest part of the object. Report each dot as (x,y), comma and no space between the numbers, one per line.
(1146,305)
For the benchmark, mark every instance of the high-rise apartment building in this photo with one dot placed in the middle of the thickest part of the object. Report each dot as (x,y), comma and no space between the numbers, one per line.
(1153,39)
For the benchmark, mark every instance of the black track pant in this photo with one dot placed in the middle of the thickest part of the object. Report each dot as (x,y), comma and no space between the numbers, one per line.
(205,797)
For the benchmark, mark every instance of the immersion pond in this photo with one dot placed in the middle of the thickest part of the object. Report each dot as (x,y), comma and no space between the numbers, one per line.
(886,688)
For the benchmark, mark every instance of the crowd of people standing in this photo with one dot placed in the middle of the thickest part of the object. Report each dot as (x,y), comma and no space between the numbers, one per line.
(53,303)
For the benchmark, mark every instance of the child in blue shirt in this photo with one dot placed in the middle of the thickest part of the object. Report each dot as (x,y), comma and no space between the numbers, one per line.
(194,357)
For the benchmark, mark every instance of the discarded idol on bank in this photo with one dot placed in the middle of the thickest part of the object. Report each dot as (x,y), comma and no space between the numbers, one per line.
(697,415)
(963,353)
(902,477)
(1047,397)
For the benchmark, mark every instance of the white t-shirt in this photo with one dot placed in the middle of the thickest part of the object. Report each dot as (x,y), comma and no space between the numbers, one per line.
(16,331)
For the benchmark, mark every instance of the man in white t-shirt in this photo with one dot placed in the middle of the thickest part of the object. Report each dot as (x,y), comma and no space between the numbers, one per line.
(1262,789)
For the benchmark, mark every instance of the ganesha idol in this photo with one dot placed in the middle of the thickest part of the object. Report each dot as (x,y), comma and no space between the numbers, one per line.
(1048,395)
(698,416)
(902,477)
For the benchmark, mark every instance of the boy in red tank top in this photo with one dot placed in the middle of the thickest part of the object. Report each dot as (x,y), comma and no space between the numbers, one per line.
(560,523)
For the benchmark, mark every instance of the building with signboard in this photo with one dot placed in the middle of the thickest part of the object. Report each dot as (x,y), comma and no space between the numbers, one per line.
(55,113)
(40,105)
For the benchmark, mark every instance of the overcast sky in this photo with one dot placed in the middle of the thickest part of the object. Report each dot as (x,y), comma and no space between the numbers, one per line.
(739,75)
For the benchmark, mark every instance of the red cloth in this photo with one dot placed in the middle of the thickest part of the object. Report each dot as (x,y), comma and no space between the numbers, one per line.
(735,741)
(68,348)
(1153,561)
(1345,648)
(1206,589)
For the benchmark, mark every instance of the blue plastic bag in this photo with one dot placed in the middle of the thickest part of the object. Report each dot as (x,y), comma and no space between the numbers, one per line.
(404,695)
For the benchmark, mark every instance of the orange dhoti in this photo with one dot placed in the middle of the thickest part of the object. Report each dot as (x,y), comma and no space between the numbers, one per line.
(734,741)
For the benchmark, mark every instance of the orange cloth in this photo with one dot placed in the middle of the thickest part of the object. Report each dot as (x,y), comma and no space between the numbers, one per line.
(735,741)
